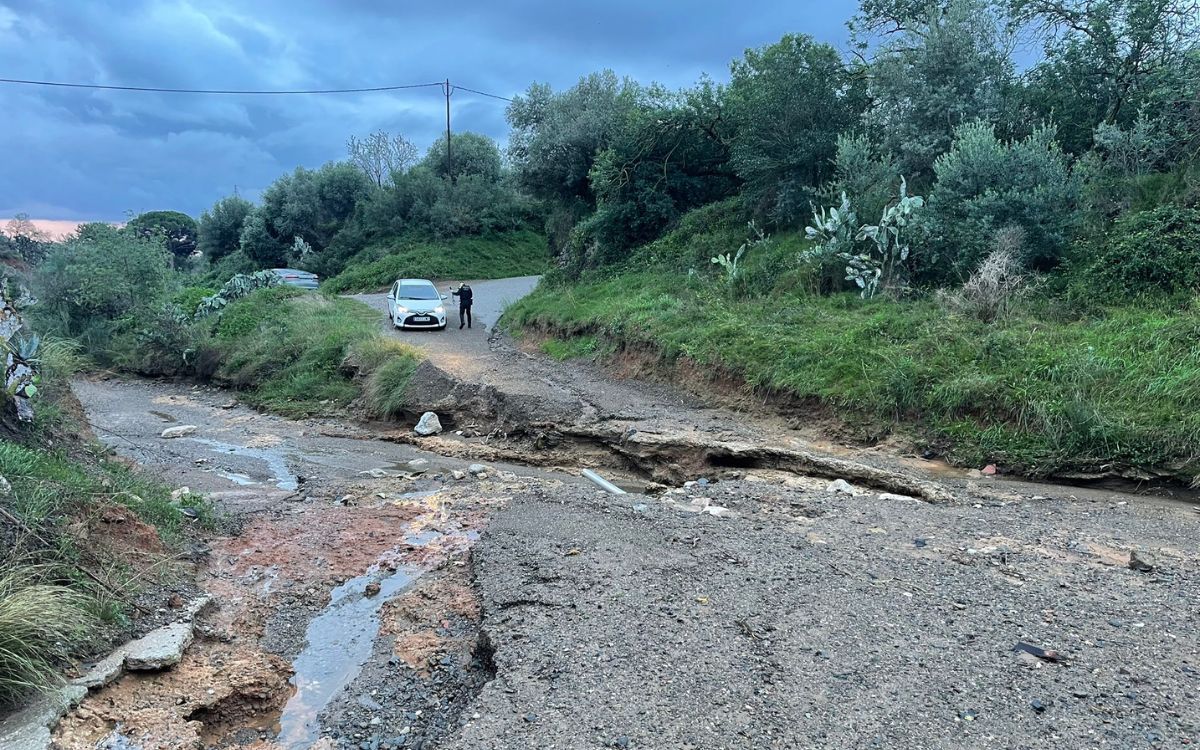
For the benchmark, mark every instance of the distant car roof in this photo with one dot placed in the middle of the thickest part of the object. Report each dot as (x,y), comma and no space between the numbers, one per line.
(296,271)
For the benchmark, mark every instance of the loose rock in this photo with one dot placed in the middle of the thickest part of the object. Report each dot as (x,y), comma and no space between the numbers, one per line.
(159,649)
(1139,564)
(840,485)
(178,431)
(429,424)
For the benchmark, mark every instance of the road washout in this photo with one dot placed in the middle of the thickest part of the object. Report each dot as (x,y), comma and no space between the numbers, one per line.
(765,593)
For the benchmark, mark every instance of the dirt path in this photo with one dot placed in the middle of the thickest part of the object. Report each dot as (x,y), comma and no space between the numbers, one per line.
(363,601)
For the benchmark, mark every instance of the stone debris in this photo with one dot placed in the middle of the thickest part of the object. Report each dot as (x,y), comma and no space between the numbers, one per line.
(158,649)
(179,431)
(840,486)
(30,728)
(428,425)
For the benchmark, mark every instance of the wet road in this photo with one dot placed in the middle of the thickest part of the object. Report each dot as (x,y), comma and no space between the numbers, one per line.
(491,297)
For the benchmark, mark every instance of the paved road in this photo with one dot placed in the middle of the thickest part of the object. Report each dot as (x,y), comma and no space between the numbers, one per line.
(491,297)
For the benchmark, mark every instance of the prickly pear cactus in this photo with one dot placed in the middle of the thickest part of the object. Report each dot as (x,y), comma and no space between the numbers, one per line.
(18,355)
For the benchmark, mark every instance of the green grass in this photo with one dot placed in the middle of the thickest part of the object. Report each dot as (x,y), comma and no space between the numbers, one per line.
(578,347)
(40,623)
(299,354)
(1040,392)
(521,253)
(53,603)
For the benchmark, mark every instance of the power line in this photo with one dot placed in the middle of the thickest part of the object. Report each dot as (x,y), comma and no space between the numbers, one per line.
(154,89)
(483,93)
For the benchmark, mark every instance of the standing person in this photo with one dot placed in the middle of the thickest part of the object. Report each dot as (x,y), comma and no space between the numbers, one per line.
(465,296)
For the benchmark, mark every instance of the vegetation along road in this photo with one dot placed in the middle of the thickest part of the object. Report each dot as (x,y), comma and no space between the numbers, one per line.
(846,398)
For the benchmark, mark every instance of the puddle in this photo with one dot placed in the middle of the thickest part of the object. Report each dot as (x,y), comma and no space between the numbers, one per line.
(340,639)
(236,478)
(284,478)
(163,416)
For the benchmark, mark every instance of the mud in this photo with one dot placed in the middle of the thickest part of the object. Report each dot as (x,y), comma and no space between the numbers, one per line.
(364,602)
(355,583)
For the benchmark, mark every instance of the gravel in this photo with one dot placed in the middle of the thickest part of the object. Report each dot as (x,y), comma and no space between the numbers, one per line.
(819,620)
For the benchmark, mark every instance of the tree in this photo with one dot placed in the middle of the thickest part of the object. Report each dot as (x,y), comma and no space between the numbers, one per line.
(670,155)
(985,185)
(381,155)
(470,154)
(786,103)
(176,230)
(220,229)
(556,136)
(313,205)
(949,66)
(22,239)
(1104,59)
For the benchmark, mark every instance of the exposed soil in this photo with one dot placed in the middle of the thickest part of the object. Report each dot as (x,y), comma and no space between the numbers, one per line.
(372,593)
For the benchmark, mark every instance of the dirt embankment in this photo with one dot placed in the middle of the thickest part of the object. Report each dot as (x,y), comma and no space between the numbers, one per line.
(767,591)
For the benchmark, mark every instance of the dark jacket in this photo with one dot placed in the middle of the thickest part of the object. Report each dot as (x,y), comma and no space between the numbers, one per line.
(465,295)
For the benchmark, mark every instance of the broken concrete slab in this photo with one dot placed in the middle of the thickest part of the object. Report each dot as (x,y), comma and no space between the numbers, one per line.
(178,431)
(158,649)
(30,728)
(105,671)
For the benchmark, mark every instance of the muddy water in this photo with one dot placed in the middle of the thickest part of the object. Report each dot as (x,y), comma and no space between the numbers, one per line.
(283,477)
(340,639)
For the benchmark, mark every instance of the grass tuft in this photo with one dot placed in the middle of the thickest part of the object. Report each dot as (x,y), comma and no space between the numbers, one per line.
(41,624)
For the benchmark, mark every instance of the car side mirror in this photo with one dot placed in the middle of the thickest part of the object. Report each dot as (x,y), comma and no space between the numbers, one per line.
(444,298)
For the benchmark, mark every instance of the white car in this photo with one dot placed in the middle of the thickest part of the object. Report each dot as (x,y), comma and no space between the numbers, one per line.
(416,303)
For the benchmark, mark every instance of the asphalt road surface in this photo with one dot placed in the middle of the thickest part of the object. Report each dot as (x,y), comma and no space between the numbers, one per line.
(491,297)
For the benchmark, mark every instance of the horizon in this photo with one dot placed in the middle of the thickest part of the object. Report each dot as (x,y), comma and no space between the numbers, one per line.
(103,155)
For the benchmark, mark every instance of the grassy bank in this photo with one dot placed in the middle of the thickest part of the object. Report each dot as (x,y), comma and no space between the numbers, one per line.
(522,253)
(1038,392)
(81,535)
(299,354)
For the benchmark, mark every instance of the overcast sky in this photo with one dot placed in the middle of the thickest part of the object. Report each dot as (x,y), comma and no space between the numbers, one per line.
(96,155)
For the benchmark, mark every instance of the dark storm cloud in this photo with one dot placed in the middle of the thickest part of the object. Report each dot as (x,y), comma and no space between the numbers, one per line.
(70,154)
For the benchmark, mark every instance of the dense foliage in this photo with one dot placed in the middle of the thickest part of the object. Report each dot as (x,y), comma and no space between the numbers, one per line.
(381,200)
(1106,121)
(933,230)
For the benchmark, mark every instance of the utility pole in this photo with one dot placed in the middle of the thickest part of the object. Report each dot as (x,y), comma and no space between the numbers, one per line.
(449,161)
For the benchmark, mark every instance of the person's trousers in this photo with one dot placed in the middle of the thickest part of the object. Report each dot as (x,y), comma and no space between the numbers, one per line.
(464,315)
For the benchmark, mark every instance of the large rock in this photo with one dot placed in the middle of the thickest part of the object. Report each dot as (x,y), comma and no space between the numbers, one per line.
(30,728)
(429,424)
(159,649)
(178,431)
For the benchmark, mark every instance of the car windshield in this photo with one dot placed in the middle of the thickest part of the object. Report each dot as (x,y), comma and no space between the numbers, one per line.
(417,291)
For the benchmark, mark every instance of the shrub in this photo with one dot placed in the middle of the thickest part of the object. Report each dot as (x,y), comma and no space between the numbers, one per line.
(190,297)
(1149,252)
(985,184)
(997,285)
(98,276)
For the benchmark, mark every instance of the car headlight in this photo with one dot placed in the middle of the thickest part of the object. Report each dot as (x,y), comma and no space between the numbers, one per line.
(402,310)
(439,310)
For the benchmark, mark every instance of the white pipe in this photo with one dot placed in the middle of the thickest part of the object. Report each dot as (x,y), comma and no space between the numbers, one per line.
(601,482)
